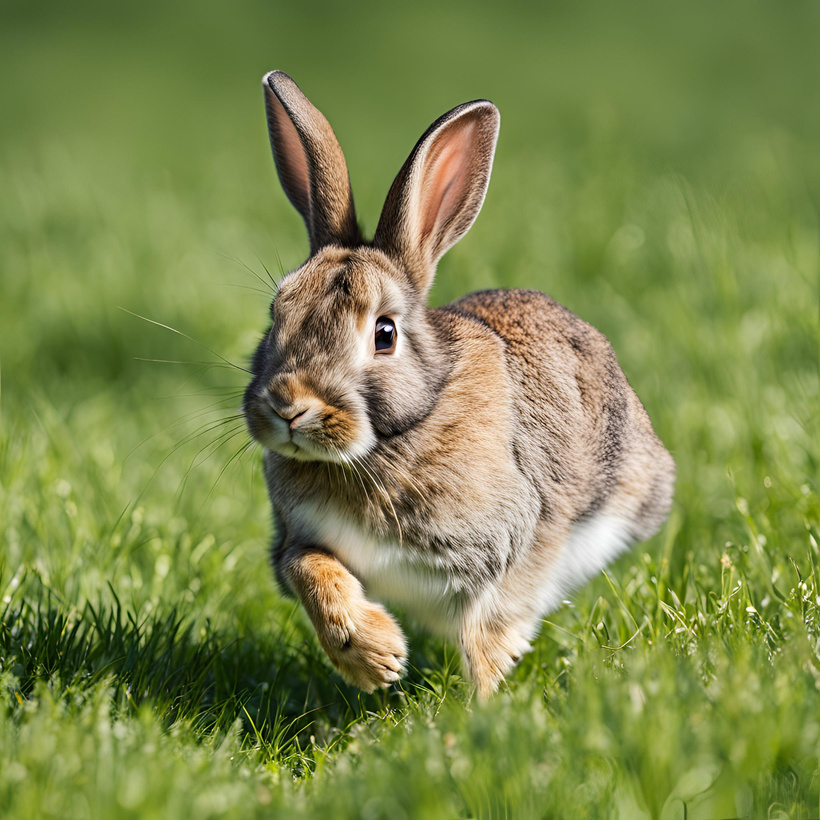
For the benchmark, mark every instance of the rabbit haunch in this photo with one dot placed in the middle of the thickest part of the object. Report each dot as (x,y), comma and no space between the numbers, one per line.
(475,471)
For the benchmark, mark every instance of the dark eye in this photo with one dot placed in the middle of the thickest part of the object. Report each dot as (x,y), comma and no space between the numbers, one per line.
(385,335)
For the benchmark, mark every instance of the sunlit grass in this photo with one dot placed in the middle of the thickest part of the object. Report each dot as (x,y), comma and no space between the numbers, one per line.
(148,665)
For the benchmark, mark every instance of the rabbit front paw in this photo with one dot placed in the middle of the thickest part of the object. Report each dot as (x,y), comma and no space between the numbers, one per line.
(370,653)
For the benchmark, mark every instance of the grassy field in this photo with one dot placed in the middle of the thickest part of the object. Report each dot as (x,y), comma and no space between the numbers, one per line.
(657,172)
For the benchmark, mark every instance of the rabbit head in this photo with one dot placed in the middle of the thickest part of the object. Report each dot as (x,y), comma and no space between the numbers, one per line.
(350,356)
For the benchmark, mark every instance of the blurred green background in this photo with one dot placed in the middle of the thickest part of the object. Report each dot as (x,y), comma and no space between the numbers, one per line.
(658,172)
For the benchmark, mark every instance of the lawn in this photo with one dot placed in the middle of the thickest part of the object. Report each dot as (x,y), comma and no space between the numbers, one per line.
(658,173)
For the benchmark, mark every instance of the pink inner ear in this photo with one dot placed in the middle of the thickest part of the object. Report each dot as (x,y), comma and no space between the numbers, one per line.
(291,161)
(447,177)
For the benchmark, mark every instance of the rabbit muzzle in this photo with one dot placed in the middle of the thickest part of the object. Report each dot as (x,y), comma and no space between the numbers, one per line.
(288,419)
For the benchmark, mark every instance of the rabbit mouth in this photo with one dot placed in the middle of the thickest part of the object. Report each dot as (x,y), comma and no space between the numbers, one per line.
(291,449)
(318,433)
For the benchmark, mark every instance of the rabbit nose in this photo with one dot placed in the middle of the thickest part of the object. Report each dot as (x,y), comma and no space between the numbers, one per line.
(290,415)
(286,408)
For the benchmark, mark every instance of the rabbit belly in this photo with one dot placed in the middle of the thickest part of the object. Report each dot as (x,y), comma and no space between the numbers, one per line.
(394,574)
(389,572)
(593,543)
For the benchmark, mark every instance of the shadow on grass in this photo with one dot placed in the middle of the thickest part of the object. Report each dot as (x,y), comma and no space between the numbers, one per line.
(275,686)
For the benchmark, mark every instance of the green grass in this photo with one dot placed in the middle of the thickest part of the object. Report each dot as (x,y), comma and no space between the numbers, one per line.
(657,173)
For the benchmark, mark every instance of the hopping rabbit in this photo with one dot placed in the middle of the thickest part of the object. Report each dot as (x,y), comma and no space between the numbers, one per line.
(471,463)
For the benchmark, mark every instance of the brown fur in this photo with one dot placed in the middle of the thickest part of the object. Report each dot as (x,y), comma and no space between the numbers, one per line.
(458,474)
(362,640)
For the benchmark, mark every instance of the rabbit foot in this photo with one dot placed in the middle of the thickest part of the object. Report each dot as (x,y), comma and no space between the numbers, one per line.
(489,654)
(370,652)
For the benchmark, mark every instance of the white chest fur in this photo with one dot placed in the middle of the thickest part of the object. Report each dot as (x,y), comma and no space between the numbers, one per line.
(389,572)
(392,573)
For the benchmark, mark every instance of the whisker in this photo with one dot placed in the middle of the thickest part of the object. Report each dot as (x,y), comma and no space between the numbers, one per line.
(342,467)
(211,408)
(227,435)
(187,439)
(216,445)
(270,291)
(274,281)
(265,293)
(356,473)
(182,420)
(381,487)
(214,408)
(227,464)
(254,446)
(393,466)
(186,336)
(226,395)
(206,427)
(253,477)
(184,361)
(278,260)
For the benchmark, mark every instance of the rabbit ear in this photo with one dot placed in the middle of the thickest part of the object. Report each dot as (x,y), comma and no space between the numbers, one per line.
(440,189)
(310,164)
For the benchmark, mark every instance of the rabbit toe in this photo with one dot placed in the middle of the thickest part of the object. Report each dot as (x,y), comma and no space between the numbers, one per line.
(373,655)
(489,656)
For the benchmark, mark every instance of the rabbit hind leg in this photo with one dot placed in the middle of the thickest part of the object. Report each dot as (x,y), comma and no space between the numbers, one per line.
(490,648)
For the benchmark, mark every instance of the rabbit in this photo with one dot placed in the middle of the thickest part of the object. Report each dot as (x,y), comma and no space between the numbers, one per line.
(471,464)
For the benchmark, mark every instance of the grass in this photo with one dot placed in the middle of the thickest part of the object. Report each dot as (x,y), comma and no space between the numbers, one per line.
(657,173)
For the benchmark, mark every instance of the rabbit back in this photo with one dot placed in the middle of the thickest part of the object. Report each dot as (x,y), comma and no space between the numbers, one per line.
(583,439)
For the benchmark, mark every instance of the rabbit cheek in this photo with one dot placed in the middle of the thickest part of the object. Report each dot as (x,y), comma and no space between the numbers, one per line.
(341,428)
(271,433)
(333,429)
(337,433)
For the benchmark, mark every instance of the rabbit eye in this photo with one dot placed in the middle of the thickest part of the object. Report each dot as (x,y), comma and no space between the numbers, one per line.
(385,335)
